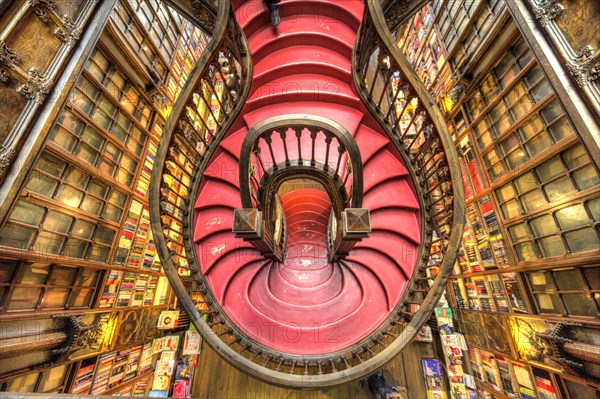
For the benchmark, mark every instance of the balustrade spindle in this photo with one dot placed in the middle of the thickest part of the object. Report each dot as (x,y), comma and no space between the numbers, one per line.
(282,135)
(298,136)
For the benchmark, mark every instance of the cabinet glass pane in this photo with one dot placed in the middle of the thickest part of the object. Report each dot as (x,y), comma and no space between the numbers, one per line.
(533,200)
(572,216)
(50,243)
(87,277)
(75,248)
(583,240)
(510,209)
(559,189)
(519,232)
(541,281)
(104,235)
(579,305)
(586,177)
(527,251)
(27,213)
(569,280)
(99,253)
(592,275)
(92,205)
(560,129)
(53,378)
(62,276)
(83,229)
(23,298)
(57,222)
(69,196)
(35,274)
(23,384)
(576,156)
(526,182)
(55,298)
(551,169)
(549,303)
(538,144)
(594,208)
(16,236)
(112,213)
(552,246)
(81,297)
(543,226)
(41,184)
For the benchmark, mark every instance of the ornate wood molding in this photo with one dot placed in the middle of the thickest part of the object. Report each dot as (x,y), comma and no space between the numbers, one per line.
(32,82)
(581,59)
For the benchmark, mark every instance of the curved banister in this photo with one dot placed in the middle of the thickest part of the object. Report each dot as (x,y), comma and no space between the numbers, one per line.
(314,124)
(193,131)
(258,187)
(390,88)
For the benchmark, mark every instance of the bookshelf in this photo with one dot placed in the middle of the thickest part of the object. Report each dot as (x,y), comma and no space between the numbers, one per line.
(517,152)
(78,239)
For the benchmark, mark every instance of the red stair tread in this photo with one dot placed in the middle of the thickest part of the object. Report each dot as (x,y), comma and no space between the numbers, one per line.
(404,222)
(402,251)
(214,220)
(303,87)
(251,15)
(381,167)
(218,193)
(391,193)
(369,142)
(221,276)
(347,117)
(301,30)
(218,249)
(301,54)
(233,143)
(225,167)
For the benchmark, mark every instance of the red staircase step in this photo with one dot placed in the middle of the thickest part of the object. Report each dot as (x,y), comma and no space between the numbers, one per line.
(381,167)
(301,31)
(369,142)
(303,87)
(218,193)
(251,15)
(403,252)
(396,192)
(348,117)
(404,222)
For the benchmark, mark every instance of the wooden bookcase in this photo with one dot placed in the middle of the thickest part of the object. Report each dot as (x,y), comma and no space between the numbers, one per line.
(77,240)
(529,259)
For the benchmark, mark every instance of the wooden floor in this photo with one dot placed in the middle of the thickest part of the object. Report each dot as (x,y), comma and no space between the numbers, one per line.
(216,379)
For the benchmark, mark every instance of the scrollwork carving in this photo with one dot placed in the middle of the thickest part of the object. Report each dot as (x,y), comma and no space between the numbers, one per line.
(37,86)
(6,157)
(396,13)
(8,57)
(203,15)
(42,15)
(49,4)
(546,10)
(584,67)
(4,76)
(68,32)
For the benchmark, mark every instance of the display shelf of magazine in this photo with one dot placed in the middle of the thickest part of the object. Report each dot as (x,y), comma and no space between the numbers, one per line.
(454,345)
(500,375)
(177,360)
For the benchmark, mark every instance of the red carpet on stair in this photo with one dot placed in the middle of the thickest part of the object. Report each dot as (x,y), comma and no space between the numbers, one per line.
(308,305)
